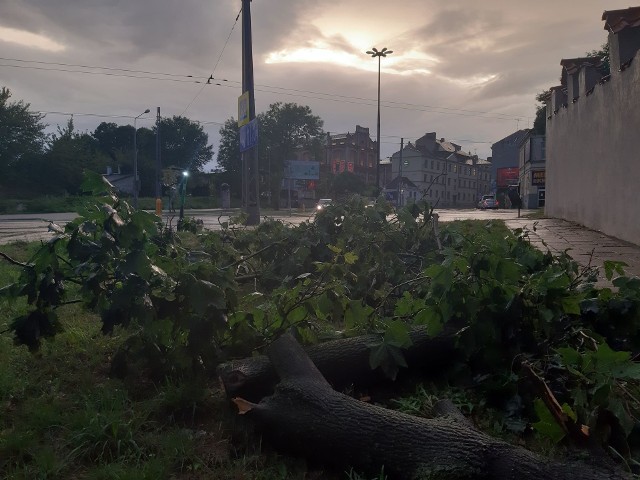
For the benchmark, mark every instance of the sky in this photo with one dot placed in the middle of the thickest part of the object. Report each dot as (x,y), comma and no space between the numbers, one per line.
(468,70)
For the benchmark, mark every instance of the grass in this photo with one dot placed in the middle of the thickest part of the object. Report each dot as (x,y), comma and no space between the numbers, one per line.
(63,416)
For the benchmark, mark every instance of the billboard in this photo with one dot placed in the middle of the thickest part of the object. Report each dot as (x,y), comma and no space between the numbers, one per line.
(507,176)
(301,170)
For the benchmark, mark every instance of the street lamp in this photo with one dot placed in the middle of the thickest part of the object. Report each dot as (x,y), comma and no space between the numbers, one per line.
(183,191)
(135,159)
(374,52)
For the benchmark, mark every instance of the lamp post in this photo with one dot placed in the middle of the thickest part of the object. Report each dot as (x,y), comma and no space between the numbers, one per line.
(135,159)
(374,52)
(183,191)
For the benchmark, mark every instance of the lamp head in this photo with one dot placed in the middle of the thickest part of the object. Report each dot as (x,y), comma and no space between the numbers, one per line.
(147,111)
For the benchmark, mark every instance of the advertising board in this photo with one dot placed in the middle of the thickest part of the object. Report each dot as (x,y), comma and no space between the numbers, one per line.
(537,178)
(507,176)
(302,170)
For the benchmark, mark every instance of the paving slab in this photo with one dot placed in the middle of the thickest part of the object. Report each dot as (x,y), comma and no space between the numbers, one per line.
(587,247)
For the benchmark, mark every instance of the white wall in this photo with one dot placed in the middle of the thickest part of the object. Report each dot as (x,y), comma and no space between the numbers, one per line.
(593,158)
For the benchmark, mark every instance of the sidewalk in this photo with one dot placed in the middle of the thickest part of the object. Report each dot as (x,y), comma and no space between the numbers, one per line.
(585,245)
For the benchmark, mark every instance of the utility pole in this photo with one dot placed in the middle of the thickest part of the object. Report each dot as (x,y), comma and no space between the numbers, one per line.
(399,202)
(249,157)
(158,167)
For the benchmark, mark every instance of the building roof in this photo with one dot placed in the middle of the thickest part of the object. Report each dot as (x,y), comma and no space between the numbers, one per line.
(515,138)
(617,20)
(572,65)
(406,183)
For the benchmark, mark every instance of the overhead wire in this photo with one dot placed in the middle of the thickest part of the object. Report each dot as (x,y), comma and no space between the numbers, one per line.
(216,64)
(182,78)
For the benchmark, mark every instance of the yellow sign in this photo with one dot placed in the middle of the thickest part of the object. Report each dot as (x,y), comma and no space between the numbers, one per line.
(538,178)
(243,109)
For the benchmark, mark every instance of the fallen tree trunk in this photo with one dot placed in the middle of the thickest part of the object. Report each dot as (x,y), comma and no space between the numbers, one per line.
(342,362)
(306,416)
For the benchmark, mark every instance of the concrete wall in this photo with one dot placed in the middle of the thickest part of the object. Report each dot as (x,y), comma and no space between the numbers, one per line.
(593,157)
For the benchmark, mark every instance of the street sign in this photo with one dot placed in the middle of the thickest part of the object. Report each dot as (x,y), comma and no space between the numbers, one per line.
(249,135)
(243,109)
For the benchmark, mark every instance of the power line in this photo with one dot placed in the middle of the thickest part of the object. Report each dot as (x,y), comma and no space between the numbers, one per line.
(273,89)
(99,73)
(216,64)
(102,115)
(388,103)
(94,67)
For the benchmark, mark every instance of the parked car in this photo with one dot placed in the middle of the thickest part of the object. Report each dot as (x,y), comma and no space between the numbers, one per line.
(323,203)
(488,201)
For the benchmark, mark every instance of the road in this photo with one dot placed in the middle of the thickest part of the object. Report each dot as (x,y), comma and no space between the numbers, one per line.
(31,227)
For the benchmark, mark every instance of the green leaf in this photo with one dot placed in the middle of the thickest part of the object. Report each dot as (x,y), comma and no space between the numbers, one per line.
(397,334)
(570,357)
(431,319)
(611,266)
(571,305)
(546,425)
(350,258)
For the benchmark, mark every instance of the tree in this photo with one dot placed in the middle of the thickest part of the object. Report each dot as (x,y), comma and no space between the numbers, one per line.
(283,128)
(603,55)
(347,182)
(69,154)
(229,161)
(183,143)
(21,133)
(116,141)
(540,122)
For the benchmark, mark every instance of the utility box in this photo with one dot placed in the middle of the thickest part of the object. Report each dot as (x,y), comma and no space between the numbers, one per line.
(225,193)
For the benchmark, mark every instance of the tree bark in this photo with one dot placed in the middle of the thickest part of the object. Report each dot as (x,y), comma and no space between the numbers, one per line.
(342,362)
(306,416)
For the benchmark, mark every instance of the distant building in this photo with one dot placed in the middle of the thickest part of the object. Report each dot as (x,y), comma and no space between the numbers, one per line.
(352,152)
(343,152)
(442,173)
(532,173)
(505,153)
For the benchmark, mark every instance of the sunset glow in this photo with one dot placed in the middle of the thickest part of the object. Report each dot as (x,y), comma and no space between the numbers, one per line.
(28,39)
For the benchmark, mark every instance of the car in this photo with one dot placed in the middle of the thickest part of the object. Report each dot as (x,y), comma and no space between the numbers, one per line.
(488,201)
(323,203)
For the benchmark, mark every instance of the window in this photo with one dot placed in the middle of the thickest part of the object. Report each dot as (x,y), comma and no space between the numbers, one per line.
(455,169)
(431,164)
(448,181)
(449,167)
(425,178)
(438,165)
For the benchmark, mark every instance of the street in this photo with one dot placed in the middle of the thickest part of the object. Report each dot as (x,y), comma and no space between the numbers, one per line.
(31,227)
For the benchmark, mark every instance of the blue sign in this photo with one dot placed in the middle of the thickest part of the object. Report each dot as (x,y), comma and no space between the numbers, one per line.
(303,170)
(249,135)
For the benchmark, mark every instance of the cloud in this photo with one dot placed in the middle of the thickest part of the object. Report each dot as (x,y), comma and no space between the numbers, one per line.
(456,65)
